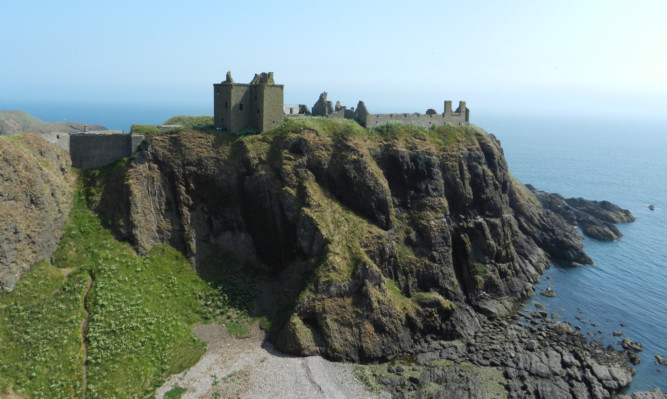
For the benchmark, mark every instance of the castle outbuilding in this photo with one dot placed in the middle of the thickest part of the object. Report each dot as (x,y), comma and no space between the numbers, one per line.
(255,106)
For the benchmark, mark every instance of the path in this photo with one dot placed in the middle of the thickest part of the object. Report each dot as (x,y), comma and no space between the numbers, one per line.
(83,328)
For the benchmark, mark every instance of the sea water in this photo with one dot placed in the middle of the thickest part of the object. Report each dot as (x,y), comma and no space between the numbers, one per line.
(624,162)
(620,160)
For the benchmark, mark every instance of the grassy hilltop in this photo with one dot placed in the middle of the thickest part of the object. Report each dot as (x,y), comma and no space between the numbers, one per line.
(19,122)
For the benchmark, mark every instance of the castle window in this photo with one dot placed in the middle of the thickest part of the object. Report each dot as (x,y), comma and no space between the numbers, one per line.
(257,112)
(226,104)
(241,107)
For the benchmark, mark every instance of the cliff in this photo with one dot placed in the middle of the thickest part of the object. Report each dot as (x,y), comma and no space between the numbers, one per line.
(35,197)
(358,243)
(19,122)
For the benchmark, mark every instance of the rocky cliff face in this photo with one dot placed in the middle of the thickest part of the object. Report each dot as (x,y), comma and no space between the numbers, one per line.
(35,196)
(367,241)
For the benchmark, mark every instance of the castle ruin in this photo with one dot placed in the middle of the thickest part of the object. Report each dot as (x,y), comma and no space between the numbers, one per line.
(260,106)
(254,106)
(457,118)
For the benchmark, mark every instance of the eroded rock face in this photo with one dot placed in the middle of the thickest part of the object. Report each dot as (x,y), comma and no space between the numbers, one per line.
(370,242)
(35,197)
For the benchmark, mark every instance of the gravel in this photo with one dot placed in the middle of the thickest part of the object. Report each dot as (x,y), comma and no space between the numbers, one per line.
(252,368)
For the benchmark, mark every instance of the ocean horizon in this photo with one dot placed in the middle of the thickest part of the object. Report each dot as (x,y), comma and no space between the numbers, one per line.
(596,158)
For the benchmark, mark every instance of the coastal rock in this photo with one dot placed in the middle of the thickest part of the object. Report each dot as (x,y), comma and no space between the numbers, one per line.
(603,210)
(594,218)
(655,393)
(36,186)
(368,243)
(660,360)
(627,344)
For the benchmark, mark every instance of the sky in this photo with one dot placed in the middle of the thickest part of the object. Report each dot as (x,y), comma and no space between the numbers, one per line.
(539,57)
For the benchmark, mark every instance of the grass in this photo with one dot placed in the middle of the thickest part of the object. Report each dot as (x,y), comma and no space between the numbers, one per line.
(442,137)
(175,393)
(145,130)
(141,310)
(186,120)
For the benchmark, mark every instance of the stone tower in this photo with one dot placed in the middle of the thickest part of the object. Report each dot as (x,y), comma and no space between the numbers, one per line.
(256,106)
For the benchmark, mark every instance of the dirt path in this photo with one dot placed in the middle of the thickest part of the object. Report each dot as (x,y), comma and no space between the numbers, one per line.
(252,368)
(83,328)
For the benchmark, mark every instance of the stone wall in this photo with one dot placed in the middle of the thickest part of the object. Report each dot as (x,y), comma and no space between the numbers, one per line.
(269,106)
(257,105)
(90,150)
(461,116)
(59,138)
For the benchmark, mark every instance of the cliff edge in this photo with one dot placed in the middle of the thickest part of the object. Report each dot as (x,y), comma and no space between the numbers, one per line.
(359,242)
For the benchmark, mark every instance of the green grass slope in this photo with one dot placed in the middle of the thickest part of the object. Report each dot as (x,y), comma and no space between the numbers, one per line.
(138,330)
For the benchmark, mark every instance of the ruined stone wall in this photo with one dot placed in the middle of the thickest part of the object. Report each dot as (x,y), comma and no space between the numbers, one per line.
(90,150)
(233,107)
(58,138)
(375,120)
(269,105)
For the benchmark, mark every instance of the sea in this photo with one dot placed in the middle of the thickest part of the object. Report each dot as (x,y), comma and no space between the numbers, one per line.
(624,162)
(622,159)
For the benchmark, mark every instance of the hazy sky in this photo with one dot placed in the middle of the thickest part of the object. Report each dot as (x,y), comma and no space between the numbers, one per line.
(398,56)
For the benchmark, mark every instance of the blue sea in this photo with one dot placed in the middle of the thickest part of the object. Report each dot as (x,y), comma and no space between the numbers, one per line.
(624,162)
(620,160)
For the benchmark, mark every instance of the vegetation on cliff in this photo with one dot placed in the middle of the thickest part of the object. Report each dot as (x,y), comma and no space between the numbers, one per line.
(359,241)
(187,120)
(35,197)
(121,337)
(349,243)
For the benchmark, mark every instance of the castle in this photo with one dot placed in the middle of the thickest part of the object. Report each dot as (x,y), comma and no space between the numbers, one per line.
(254,106)
(260,106)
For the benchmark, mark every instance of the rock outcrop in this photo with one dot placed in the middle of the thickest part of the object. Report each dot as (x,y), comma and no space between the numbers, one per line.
(595,218)
(36,186)
(367,242)
(509,359)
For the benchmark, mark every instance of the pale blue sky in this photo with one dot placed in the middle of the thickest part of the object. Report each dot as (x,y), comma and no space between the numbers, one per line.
(398,56)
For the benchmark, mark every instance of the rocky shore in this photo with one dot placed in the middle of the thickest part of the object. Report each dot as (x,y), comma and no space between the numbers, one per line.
(595,218)
(524,356)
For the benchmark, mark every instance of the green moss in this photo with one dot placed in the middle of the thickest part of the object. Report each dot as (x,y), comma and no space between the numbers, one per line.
(400,300)
(478,269)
